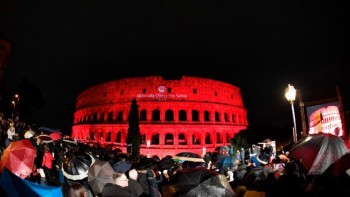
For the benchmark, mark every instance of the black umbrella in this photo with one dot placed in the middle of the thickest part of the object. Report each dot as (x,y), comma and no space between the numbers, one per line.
(227,161)
(199,182)
(318,152)
(47,129)
(166,163)
(76,167)
(188,156)
(144,163)
(121,166)
(255,177)
(99,174)
(191,164)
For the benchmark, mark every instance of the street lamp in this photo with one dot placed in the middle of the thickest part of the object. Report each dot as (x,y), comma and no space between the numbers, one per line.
(13,109)
(15,106)
(290,94)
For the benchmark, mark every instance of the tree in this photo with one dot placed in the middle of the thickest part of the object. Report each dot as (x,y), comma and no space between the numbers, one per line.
(133,138)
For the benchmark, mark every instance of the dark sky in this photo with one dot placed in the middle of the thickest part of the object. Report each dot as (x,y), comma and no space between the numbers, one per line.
(65,46)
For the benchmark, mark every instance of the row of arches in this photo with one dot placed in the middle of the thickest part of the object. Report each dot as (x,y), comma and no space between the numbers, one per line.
(168,138)
(169,115)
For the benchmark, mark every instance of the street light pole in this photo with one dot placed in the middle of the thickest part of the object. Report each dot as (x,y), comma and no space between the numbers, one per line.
(295,126)
(290,94)
(15,103)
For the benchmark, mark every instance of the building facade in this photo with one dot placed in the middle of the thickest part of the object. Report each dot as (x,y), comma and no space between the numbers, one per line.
(175,115)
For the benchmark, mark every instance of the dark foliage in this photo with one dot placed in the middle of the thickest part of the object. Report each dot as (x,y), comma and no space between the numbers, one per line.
(134,136)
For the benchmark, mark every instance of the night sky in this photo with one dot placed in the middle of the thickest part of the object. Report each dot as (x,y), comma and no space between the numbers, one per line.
(63,47)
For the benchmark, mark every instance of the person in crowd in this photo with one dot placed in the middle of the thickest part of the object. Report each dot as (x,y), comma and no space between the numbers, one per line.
(75,190)
(134,185)
(3,131)
(84,182)
(242,158)
(47,165)
(207,159)
(153,181)
(289,183)
(42,176)
(119,188)
(11,132)
(142,179)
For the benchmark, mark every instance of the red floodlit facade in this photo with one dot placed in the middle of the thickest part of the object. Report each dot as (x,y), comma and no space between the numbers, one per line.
(188,114)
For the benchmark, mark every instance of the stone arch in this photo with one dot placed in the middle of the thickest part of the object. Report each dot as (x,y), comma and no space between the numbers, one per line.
(143,138)
(109,136)
(102,117)
(94,117)
(182,139)
(217,116)
(227,119)
(155,139)
(182,115)
(92,135)
(206,116)
(234,118)
(207,138)
(156,115)
(218,138)
(195,115)
(196,138)
(110,116)
(169,139)
(143,115)
(228,138)
(169,115)
(120,117)
(118,137)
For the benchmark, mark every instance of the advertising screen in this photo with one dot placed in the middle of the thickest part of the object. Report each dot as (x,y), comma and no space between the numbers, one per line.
(325,118)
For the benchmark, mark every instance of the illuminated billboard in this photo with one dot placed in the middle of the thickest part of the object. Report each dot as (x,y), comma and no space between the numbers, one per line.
(325,117)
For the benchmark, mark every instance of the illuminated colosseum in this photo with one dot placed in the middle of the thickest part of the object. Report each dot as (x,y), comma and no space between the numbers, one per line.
(175,115)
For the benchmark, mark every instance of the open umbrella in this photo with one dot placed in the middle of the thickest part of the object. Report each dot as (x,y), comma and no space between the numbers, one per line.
(339,167)
(47,129)
(44,138)
(100,173)
(76,167)
(69,140)
(28,134)
(191,164)
(55,136)
(14,186)
(144,163)
(198,182)
(227,162)
(188,156)
(318,152)
(19,157)
(255,177)
(166,163)
(223,148)
(122,166)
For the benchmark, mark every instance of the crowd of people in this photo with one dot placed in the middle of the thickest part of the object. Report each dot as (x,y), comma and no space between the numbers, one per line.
(259,175)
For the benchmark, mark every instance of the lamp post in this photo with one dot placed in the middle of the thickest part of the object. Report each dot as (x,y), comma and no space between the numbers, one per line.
(15,106)
(13,110)
(290,94)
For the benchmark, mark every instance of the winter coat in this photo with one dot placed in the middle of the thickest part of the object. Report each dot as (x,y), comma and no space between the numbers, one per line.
(153,184)
(47,159)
